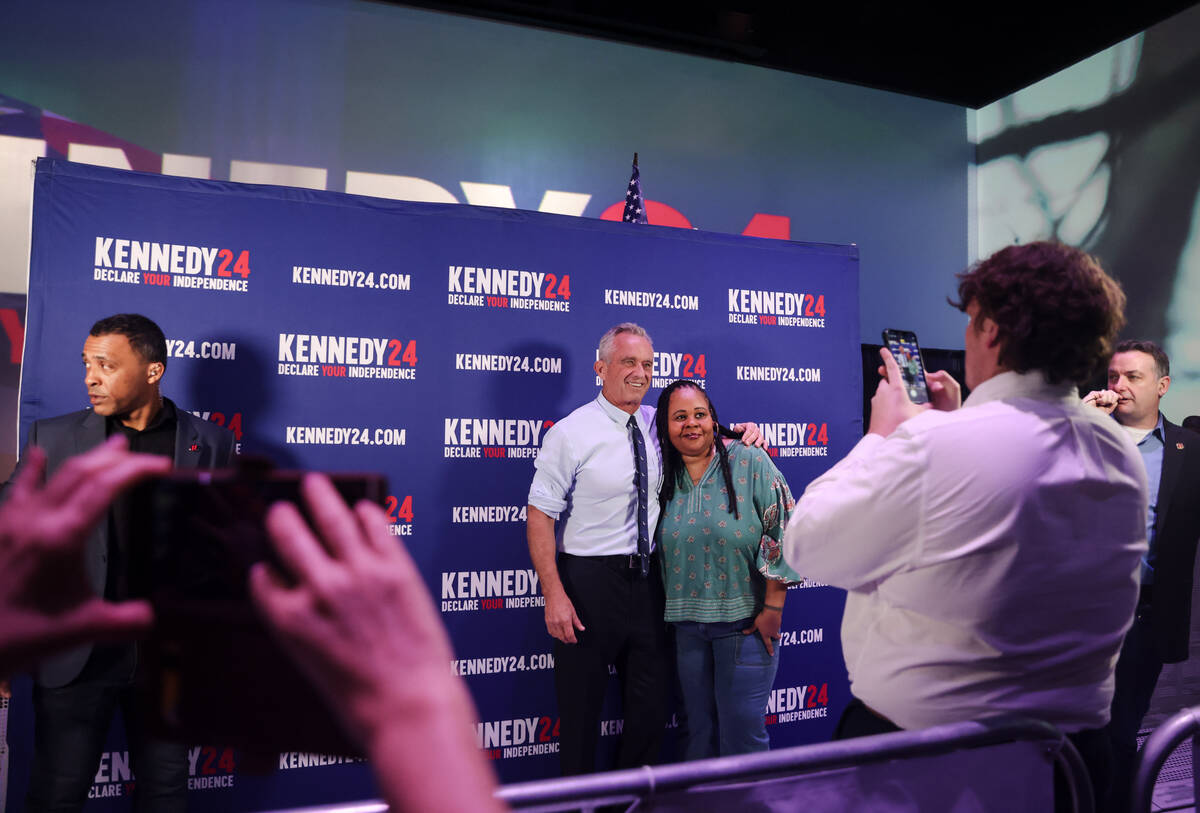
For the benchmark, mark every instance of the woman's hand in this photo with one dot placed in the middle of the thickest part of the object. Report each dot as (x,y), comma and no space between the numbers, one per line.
(769,618)
(766,624)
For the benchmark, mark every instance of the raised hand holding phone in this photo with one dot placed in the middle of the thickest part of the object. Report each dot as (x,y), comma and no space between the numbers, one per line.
(891,405)
(902,344)
(945,394)
(937,388)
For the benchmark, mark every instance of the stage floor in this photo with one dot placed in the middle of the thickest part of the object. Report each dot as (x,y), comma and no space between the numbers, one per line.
(1174,789)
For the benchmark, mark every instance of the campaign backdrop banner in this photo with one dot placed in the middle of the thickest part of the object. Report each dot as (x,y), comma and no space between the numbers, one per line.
(437,344)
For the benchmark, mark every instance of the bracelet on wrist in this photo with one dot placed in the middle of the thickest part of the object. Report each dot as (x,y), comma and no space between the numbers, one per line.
(772,607)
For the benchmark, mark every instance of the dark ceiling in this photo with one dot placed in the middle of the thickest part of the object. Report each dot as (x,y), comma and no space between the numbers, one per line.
(969,54)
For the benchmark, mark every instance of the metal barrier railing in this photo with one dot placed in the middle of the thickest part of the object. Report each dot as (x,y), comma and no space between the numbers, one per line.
(1158,746)
(625,786)
(616,787)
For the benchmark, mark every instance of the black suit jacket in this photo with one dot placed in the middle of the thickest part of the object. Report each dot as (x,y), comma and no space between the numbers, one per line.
(1176,531)
(198,445)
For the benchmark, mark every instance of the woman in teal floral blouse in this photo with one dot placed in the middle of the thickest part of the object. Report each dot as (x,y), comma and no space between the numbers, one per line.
(723,570)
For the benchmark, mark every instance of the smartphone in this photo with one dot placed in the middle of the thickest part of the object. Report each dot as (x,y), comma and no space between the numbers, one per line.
(907,353)
(210,671)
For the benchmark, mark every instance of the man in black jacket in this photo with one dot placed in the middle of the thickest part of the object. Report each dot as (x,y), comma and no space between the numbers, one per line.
(76,693)
(1139,376)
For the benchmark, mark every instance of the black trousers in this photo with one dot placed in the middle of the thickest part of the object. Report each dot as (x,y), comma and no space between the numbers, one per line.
(70,725)
(859,721)
(622,613)
(1138,669)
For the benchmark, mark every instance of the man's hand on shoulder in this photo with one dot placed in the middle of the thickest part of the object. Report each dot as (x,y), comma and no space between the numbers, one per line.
(891,406)
(1104,400)
(751,436)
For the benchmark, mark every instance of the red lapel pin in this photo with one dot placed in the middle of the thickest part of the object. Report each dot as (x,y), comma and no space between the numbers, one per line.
(196,448)
(1179,446)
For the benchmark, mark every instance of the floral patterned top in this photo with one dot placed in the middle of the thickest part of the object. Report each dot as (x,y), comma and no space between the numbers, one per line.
(715,566)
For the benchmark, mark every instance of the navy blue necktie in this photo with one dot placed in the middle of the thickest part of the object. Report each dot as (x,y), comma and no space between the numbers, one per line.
(639,482)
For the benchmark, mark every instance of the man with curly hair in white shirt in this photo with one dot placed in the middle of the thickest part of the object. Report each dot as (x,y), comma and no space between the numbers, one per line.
(989,552)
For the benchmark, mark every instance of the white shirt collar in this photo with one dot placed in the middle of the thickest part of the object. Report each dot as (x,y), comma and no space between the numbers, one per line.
(619,415)
(1021,385)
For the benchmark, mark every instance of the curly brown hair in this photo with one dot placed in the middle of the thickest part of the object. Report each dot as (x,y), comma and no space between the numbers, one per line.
(1055,308)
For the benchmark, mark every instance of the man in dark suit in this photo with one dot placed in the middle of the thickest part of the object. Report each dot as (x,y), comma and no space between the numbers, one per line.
(1139,375)
(76,694)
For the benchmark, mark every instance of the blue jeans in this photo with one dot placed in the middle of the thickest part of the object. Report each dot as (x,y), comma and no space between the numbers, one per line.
(725,678)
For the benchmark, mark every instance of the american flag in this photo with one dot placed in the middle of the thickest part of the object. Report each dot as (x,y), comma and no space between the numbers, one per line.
(635,209)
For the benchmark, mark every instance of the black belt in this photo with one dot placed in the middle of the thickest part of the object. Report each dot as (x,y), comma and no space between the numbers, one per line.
(619,561)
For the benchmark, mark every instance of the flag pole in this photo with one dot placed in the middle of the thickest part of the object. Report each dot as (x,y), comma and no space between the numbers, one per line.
(635,207)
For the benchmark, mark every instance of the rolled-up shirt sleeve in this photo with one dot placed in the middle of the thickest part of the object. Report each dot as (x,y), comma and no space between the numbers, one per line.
(554,474)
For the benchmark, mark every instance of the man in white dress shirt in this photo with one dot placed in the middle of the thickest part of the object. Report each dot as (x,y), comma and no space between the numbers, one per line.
(990,553)
(591,519)
(604,595)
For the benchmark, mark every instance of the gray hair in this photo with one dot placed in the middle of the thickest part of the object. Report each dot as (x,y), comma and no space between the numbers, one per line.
(610,336)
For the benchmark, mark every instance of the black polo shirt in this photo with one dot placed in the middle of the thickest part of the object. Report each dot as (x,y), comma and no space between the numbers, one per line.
(157,438)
